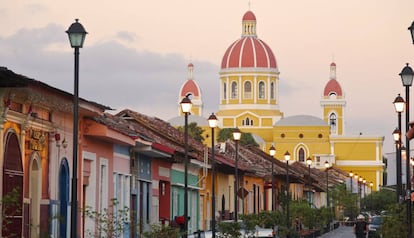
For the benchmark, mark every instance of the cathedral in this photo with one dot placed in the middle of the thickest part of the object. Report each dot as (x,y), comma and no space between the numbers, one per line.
(249,100)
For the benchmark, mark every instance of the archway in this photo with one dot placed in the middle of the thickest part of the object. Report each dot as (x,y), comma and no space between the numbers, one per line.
(35,192)
(12,187)
(63,197)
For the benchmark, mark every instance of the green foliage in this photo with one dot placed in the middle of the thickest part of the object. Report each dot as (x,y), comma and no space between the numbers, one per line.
(227,134)
(110,222)
(380,200)
(194,131)
(158,230)
(345,200)
(394,225)
(11,206)
(229,229)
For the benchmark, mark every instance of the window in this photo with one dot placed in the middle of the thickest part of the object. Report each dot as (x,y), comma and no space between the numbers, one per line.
(332,95)
(248,90)
(272,90)
(234,90)
(262,93)
(247,122)
(301,155)
(333,123)
(224,90)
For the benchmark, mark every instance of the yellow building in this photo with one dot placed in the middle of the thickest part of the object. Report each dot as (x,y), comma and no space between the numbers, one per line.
(249,100)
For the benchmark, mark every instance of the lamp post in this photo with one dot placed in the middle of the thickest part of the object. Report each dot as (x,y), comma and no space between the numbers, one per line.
(407,75)
(364,182)
(186,109)
(371,184)
(236,137)
(212,122)
(360,192)
(327,165)
(309,163)
(287,158)
(77,35)
(351,176)
(272,152)
(399,108)
(356,198)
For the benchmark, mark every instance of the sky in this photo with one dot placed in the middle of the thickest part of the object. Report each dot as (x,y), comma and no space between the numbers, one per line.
(136,52)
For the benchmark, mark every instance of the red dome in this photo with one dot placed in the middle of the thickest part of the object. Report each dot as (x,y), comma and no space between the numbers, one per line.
(190,86)
(249,16)
(332,87)
(248,52)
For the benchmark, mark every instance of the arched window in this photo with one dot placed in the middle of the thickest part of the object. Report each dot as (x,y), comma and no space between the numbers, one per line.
(262,92)
(301,155)
(248,90)
(247,122)
(234,90)
(224,90)
(333,122)
(272,90)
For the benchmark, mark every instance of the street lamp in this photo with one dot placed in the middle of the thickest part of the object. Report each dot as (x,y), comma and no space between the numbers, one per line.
(411,28)
(327,165)
(236,137)
(399,105)
(77,35)
(360,192)
(272,152)
(407,75)
(287,158)
(309,162)
(371,184)
(356,176)
(212,122)
(186,109)
(351,175)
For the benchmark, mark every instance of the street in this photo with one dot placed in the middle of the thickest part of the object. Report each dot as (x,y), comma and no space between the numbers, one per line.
(341,232)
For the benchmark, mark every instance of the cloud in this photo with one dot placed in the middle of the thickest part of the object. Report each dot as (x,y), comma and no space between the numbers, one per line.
(110,73)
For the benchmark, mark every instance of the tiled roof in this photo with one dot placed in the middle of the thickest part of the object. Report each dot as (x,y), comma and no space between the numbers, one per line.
(162,132)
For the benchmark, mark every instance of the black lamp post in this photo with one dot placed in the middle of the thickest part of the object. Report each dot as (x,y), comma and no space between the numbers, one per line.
(356,176)
(359,193)
(327,165)
(309,163)
(364,182)
(236,137)
(272,152)
(411,28)
(287,158)
(371,184)
(351,177)
(407,75)
(77,35)
(397,139)
(186,109)
(212,122)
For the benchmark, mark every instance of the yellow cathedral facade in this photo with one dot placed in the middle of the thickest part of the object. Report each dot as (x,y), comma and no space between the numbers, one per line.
(249,100)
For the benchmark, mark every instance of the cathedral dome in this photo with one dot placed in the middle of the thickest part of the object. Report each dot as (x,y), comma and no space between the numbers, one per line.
(332,87)
(190,86)
(248,51)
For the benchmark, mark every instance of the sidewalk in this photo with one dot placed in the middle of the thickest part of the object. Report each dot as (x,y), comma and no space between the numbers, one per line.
(340,232)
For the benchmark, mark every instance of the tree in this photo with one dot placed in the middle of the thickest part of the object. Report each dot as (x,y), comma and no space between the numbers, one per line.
(110,222)
(379,200)
(194,131)
(227,133)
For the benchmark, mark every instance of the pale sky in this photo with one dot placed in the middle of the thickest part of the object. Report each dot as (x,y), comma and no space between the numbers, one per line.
(136,53)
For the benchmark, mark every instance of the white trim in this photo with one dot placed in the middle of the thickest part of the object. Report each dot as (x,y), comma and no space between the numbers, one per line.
(183,185)
(250,106)
(358,163)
